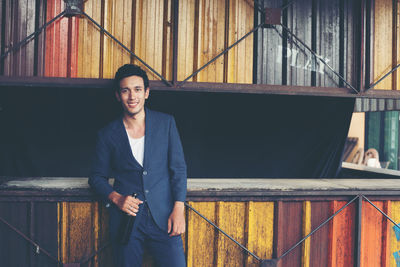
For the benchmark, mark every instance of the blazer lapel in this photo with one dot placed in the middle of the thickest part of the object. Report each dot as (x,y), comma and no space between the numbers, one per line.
(149,132)
(125,148)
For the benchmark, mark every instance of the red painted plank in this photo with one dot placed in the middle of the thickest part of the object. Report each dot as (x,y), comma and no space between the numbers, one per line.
(288,231)
(320,212)
(61,42)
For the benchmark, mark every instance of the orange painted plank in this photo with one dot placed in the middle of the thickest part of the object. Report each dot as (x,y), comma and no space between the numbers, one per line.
(373,235)
(341,235)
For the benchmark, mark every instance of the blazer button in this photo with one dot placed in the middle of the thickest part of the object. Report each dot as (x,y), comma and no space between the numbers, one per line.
(146,191)
(144,172)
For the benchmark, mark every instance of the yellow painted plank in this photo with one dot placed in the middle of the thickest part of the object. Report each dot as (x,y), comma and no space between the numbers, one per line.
(305,247)
(260,231)
(230,219)
(394,240)
(78,227)
(200,235)
(240,58)
(211,37)
(383,42)
(118,21)
(89,42)
(186,38)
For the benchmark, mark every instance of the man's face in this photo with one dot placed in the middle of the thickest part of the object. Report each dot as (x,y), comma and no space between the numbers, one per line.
(132,95)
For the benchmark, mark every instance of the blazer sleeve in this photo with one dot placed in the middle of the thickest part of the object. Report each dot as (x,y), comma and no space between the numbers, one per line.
(176,164)
(101,169)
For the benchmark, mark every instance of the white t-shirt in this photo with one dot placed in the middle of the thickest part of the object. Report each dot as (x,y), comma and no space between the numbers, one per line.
(137,147)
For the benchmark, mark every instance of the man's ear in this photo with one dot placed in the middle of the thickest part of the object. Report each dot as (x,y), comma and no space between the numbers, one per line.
(117,96)
(147,93)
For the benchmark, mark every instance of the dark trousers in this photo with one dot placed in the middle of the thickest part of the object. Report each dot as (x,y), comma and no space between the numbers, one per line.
(166,251)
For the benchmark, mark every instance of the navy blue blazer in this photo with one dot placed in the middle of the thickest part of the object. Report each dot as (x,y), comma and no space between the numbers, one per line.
(162,179)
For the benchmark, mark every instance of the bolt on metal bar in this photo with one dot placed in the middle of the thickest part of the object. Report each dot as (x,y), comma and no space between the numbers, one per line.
(384,214)
(220,54)
(220,230)
(316,229)
(37,247)
(127,49)
(381,79)
(317,56)
(29,37)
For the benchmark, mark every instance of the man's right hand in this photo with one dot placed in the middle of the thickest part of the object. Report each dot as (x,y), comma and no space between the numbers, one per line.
(127,204)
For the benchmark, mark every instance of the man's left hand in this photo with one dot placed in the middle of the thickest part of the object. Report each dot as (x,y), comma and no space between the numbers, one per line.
(176,221)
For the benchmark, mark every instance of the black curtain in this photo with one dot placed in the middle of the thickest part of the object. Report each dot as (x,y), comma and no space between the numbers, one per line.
(50,132)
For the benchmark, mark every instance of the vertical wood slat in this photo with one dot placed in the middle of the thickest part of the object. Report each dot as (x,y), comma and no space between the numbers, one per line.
(186,38)
(288,232)
(199,233)
(61,42)
(260,232)
(152,35)
(320,212)
(341,235)
(89,47)
(306,245)
(373,235)
(240,58)
(383,43)
(394,235)
(19,21)
(78,231)
(117,21)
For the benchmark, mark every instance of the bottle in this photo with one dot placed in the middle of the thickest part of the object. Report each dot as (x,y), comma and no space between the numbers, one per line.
(125,228)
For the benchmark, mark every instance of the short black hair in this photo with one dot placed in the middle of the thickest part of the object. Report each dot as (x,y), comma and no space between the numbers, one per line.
(130,70)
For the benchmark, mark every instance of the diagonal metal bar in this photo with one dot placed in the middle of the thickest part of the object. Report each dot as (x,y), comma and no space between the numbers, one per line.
(384,214)
(220,230)
(316,229)
(127,49)
(318,57)
(38,248)
(381,79)
(32,35)
(220,54)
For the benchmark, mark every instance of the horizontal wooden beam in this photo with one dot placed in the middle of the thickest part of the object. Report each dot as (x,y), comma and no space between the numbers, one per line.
(55,82)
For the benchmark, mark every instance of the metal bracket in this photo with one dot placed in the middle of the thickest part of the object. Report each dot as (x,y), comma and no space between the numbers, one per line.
(272,16)
(73,7)
(269,263)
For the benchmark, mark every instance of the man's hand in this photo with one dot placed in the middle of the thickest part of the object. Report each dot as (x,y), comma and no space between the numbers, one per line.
(176,221)
(127,204)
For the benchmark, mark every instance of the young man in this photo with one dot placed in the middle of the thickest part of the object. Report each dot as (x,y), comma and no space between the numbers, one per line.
(143,152)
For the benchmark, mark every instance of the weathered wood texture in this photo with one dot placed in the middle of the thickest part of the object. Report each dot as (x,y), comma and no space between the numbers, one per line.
(386,43)
(61,54)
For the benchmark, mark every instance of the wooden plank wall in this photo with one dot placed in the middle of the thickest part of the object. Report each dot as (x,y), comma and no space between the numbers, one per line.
(268,229)
(206,28)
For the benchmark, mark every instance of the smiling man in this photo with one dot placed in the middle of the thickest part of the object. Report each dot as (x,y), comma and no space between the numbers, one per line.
(143,152)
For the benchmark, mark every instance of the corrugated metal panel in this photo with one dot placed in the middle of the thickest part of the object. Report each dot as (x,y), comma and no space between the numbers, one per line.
(18,21)
(373,104)
(298,60)
(324,26)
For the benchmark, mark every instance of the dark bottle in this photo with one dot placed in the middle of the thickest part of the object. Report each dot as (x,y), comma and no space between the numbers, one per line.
(125,228)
